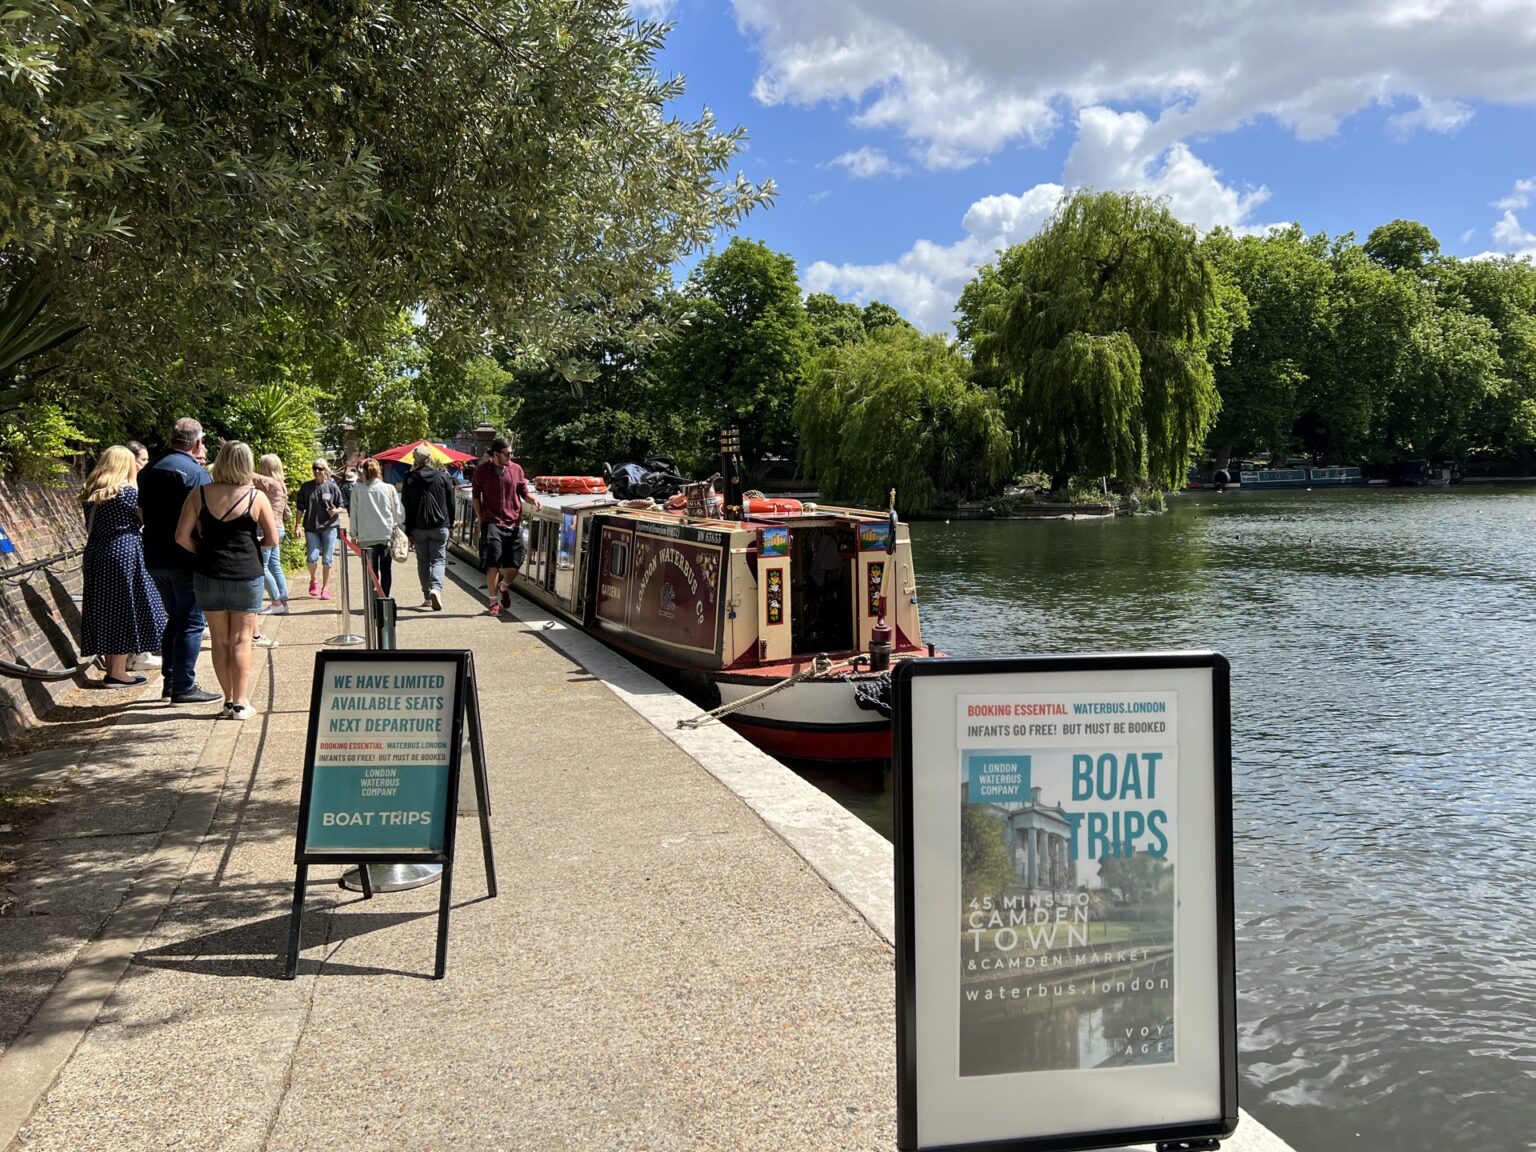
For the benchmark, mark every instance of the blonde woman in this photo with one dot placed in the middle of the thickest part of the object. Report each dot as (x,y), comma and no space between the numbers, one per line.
(120,610)
(223,524)
(270,483)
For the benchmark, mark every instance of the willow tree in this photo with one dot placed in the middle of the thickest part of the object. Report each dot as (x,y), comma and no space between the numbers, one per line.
(1099,332)
(897,411)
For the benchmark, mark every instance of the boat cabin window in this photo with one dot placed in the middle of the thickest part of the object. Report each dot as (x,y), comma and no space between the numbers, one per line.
(618,559)
(822,572)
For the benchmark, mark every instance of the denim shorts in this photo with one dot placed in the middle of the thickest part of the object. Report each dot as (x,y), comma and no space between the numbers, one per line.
(214,595)
(320,547)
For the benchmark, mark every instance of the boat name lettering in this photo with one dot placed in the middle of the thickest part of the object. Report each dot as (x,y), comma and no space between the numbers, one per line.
(675,558)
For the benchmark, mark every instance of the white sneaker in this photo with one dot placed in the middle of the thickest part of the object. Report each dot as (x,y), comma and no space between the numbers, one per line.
(263,641)
(239,712)
(144,660)
(434,600)
(280,608)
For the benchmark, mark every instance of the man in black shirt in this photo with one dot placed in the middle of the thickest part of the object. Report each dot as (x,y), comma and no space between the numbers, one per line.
(428,498)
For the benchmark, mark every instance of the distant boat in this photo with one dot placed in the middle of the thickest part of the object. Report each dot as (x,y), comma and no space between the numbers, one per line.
(1302,478)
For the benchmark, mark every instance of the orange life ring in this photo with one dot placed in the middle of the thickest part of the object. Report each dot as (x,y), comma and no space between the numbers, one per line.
(762,505)
(570,485)
(676,502)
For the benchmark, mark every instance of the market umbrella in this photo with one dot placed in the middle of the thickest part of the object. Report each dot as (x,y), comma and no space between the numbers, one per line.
(440,455)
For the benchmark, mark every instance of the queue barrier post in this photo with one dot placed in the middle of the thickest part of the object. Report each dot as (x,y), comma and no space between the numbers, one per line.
(346,635)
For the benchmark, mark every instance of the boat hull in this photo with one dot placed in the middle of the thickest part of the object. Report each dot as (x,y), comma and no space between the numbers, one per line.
(816,720)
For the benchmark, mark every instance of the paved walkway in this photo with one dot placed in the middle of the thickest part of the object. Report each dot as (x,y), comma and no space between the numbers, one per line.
(690,949)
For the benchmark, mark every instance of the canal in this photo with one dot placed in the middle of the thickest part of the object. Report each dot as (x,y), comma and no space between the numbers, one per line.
(1383,651)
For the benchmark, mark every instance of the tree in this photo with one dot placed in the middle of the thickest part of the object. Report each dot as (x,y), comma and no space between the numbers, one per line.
(1284,279)
(742,348)
(1102,335)
(396,415)
(460,395)
(897,411)
(833,322)
(1402,245)
(174,171)
(878,314)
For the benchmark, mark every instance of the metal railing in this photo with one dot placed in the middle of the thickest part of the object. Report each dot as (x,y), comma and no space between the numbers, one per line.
(20,669)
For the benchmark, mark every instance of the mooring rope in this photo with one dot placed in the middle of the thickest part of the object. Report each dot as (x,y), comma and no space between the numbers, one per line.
(820,666)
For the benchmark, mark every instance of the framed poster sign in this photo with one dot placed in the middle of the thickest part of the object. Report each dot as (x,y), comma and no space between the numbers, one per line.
(1064,913)
(382,763)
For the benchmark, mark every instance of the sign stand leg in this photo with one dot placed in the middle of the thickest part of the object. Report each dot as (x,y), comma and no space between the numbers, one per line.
(482,784)
(295,923)
(443,908)
(365,880)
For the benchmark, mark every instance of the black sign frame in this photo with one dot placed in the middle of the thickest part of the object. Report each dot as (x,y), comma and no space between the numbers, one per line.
(466,717)
(1203,1133)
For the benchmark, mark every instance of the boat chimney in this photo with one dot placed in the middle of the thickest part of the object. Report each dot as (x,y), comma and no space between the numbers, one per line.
(730,471)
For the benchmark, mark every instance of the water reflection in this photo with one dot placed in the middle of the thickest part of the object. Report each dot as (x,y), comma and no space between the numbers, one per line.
(1383,648)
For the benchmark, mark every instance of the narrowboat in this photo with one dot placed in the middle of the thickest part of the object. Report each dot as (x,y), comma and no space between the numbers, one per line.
(792,612)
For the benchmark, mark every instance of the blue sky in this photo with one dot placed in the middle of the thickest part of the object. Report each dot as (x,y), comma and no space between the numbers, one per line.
(910,139)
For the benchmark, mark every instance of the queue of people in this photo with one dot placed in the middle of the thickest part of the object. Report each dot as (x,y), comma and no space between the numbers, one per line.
(176,549)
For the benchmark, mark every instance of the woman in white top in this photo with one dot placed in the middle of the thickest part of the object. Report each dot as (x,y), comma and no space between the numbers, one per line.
(376,513)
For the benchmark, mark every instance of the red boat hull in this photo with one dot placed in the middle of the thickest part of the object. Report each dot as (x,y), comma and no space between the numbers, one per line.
(824,743)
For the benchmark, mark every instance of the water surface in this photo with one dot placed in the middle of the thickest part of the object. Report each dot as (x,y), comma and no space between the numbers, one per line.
(1383,651)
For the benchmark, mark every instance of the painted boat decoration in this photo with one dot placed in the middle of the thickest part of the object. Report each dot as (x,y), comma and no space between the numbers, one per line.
(778,606)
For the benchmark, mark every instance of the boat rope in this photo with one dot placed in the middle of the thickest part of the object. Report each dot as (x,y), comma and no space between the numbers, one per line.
(820,666)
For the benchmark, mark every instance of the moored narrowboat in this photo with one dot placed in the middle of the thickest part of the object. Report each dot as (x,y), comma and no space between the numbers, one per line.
(792,612)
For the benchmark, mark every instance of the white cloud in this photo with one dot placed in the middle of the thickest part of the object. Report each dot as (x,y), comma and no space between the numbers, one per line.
(1519,198)
(1512,237)
(1509,233)
(924,283)
(867,163)
(1442,116)
(1114,151)
(964,81)
(651,9)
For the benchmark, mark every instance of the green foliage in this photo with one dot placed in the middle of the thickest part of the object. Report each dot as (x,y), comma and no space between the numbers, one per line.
(897,411)
(1279,316)
(35,445)
(460,396)
(833,322)
(26,335)
(878,314)
(394,416)
(1100,333)
(985,869)
(741,351)
(1402,244)
(176,172)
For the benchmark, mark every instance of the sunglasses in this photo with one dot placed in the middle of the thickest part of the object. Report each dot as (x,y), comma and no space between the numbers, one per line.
(317,468)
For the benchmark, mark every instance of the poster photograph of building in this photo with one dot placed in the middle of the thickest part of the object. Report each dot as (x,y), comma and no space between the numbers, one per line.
(1068,838)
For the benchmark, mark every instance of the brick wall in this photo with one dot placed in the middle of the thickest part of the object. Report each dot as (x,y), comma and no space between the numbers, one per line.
(39,619)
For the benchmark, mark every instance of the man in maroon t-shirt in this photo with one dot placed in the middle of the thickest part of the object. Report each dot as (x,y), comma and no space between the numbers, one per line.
(499,490)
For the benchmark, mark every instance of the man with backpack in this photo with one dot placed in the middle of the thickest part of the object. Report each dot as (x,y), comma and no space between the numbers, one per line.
(428,498)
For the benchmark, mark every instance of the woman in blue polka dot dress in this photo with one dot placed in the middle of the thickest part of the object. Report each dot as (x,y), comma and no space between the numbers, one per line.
(120,610)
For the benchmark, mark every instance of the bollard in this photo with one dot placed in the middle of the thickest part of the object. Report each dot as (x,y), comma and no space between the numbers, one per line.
(384,623)
(346,635)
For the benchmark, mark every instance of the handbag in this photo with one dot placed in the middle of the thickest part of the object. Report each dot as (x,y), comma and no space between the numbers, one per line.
(399,545)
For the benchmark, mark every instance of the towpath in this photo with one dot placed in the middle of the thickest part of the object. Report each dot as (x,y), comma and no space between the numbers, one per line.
(690,949)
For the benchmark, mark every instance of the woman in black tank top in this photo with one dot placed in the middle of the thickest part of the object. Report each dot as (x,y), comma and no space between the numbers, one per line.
(222,524)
